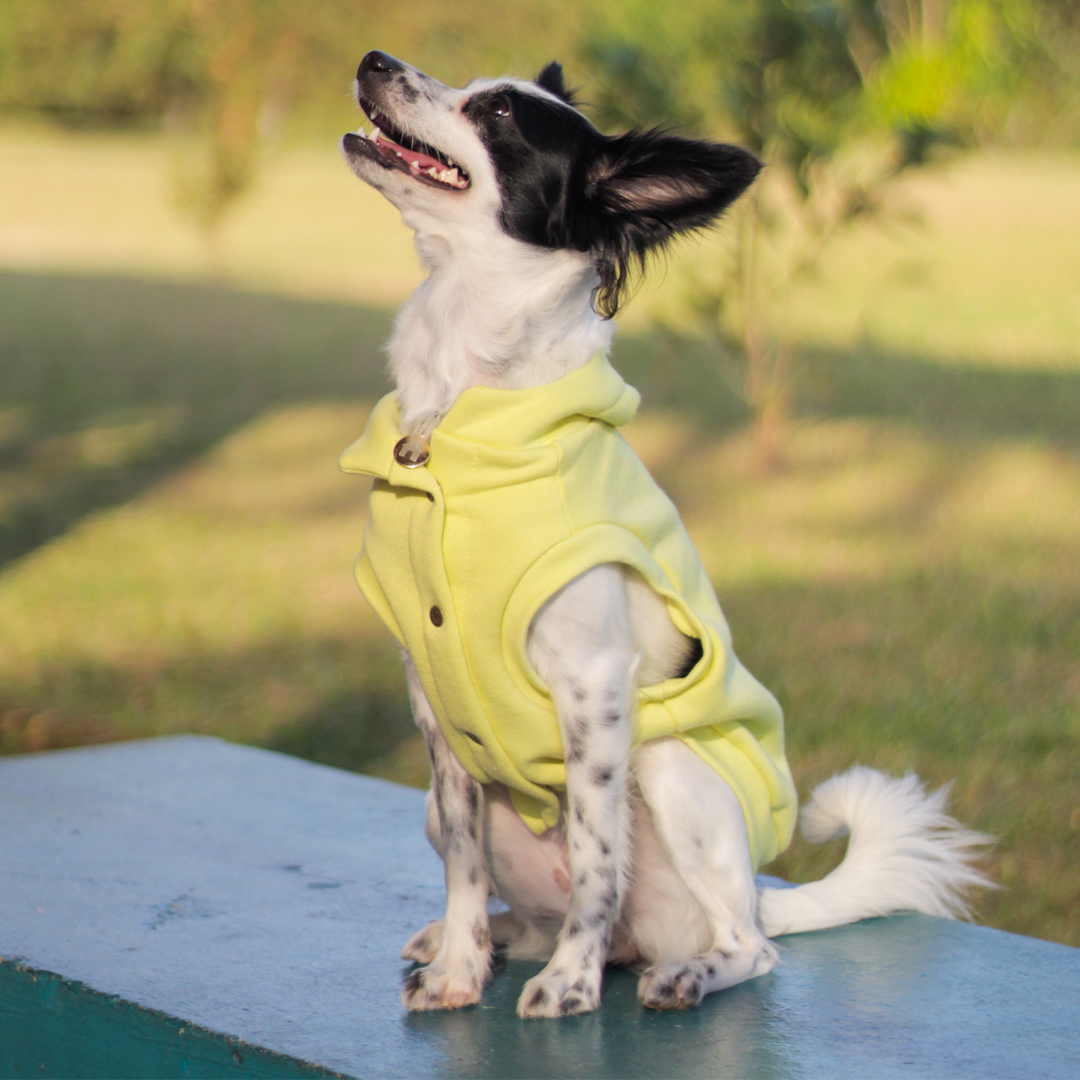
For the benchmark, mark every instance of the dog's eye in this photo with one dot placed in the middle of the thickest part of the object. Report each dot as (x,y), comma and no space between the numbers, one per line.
(499,105)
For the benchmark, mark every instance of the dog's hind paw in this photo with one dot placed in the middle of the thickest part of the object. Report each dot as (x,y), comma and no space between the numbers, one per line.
(558,993)
(424,944)
(434,987)
(680,984)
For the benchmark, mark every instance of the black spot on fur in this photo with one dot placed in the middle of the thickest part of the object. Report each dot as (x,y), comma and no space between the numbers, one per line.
(570,1004)
(538,998)
(573,929)
(601,917)
(575,749)
(482,936)
(612,718)
(601,775)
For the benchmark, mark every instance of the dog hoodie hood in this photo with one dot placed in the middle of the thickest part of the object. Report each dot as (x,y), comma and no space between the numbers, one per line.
(525,490)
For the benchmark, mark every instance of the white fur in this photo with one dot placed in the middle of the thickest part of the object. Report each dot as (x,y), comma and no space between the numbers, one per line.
(905,853)
(652,864)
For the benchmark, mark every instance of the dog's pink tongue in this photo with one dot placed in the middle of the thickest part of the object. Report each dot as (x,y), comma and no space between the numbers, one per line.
(414,158)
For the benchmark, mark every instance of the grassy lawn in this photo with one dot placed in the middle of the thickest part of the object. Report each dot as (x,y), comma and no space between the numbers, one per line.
(176,542)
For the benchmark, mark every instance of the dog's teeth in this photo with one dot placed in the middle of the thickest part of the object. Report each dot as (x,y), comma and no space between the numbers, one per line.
(433,173)
(451,176)
(375,133)
(414,165)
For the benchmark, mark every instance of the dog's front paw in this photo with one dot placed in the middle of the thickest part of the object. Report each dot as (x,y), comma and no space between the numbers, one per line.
(678,984)
(557,992)
(424,944)
(439,987)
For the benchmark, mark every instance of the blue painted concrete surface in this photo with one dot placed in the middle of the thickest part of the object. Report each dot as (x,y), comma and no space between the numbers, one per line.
(265,899)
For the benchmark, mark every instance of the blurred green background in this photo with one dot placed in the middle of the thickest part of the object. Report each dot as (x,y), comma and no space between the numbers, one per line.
(863,389)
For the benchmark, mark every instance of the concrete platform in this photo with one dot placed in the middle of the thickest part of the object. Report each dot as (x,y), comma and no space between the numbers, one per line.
(186,907)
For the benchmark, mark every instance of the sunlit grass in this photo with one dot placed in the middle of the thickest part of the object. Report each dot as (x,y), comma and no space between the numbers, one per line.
(104,203)
(176,542)
(974,260)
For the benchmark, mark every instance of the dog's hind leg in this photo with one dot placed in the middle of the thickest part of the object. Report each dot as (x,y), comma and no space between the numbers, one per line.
(506,931)
(580,646)
(700,825)
(461,959)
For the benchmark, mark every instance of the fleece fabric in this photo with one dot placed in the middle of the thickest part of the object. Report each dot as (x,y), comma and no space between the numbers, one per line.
(523,491)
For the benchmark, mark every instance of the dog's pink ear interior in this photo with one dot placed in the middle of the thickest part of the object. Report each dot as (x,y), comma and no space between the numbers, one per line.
(551,79)
(677,183)
(651,194)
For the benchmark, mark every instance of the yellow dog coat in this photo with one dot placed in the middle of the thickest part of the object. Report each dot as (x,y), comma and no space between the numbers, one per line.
(523,491)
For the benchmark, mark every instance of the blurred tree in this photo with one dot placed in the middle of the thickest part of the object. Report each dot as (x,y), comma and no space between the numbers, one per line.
(246,53)
(838,97)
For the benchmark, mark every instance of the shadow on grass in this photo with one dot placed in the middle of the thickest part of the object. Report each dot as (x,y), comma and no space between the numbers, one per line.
(352,730)
(336,702)
(962,399)
(107,384)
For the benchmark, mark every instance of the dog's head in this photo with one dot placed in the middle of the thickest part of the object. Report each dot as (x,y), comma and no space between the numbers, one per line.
(518,157)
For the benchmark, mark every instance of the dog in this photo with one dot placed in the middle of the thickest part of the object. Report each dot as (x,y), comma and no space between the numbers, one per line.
(601,762)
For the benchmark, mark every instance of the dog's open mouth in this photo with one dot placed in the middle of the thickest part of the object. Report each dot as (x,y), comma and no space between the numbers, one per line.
(399,150)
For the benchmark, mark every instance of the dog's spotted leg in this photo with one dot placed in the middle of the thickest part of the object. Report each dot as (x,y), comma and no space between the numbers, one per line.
(699,821)
(590,671)
(461,957)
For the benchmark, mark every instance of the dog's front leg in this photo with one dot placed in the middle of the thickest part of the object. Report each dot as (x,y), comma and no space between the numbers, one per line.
(580,646)
(460,966)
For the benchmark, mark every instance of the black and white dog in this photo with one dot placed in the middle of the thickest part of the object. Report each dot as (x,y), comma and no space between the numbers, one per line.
(529,222)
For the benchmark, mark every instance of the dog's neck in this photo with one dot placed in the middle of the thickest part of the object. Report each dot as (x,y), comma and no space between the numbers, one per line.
(492,312)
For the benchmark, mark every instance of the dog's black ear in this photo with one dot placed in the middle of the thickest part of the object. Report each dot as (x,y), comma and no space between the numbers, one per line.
(664,184)
(551,79)
(646,187)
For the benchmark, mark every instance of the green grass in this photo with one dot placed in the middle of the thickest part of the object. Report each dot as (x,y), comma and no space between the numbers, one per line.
(176,542)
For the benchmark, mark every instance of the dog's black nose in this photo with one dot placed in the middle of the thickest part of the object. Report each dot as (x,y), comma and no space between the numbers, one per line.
(378,63)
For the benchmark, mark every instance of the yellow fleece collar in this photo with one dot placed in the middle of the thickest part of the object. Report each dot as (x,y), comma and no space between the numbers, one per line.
(503,421)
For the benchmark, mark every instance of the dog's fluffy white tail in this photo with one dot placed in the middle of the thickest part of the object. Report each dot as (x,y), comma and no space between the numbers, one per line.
(905,854)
